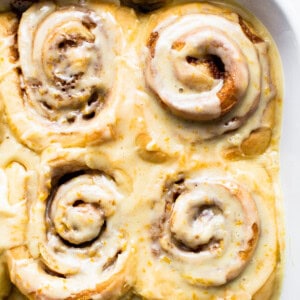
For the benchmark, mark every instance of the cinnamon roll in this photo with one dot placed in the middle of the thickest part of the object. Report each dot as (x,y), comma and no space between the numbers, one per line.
(62,87)
(208,67)
(77,244)
(217,229)
(214,224)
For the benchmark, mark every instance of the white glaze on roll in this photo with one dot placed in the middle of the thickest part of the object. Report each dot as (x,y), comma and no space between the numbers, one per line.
(201,35)
(76,240)
(68,63)
(58,78)
(213,226)
(81,206)
(182,71)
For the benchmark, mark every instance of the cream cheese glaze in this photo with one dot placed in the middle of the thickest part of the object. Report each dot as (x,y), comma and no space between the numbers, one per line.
(181,45)
(208,36)
(77,241)
(162,207)
(59,91)
(198,229)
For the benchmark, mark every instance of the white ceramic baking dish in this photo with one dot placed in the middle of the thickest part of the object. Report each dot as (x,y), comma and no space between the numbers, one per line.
(282,19)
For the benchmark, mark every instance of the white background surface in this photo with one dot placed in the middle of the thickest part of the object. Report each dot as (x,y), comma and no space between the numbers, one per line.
(290,151)
(282,18)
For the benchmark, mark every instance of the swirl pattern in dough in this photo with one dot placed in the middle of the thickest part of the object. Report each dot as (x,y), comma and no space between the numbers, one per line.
(213,231)
(77,243)
(63,96)
(205,65)
(213,226)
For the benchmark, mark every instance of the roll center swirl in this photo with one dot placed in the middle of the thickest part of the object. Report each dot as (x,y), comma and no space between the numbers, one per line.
(197,222)
(211,225)
(63,60)
(81,207)
(67,62)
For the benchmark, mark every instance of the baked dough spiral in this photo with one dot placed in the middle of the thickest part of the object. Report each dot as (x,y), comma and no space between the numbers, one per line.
(206,65)
(213,226)
(212,229)
(77,244)
(68,75)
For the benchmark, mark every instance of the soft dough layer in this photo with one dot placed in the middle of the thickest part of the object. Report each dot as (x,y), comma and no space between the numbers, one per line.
(139,152)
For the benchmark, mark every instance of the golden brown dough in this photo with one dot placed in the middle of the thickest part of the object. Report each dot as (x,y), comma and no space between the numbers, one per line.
(5,284)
